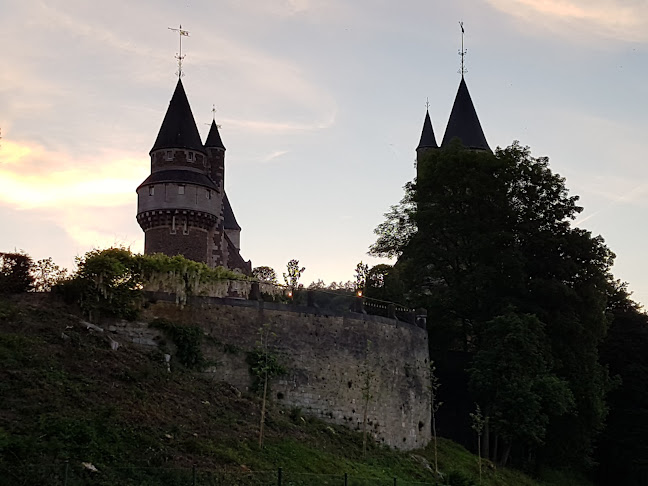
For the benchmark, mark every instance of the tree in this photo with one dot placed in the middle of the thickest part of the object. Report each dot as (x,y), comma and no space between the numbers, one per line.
(47,274)
(265,274)
(293,274)
(435,405)
(399,227)
(361,271)
(489,232)
(16,273)
(512,376)
(623,444)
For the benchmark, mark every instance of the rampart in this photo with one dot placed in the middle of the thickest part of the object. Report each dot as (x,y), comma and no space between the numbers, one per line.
(334,360)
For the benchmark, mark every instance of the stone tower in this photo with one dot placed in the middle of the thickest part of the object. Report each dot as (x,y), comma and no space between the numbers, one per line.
(182,206)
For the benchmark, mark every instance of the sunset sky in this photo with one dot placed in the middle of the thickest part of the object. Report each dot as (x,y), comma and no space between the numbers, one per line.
(321,104)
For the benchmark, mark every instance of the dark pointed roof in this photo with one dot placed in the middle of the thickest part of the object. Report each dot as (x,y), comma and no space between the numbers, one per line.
(214,138)
(464,123)
(427,135)
(229,220)
(178,129)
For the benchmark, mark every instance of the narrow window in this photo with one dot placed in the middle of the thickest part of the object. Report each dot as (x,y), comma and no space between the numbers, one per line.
(181,189)
(173,227)
(151,190)
(185,231)
(191,157)
(208,194)
(169,155)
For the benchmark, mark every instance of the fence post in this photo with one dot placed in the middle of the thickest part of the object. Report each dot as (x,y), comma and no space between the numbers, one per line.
(394,480)
(346,479)
(391,311)
(193,474)
(65,474)
(279,474)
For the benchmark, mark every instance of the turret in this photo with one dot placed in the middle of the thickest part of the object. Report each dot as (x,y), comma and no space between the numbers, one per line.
(177,205)
(428,140)
(464,123)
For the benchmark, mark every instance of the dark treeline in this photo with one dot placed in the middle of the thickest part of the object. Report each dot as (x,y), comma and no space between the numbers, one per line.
(523,307)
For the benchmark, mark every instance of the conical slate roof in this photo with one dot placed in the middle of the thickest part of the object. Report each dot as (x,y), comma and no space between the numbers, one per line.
(427,135)
(178,129)
(214,138)
(464,123)
(229,220)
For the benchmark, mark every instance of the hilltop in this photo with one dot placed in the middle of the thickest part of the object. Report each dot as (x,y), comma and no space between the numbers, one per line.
(68,396)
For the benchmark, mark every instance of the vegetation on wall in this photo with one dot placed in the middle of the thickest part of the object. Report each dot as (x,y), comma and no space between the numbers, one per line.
(187,340)
(110,281)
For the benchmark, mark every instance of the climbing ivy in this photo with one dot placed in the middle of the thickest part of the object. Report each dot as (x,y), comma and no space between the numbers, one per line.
(188,340)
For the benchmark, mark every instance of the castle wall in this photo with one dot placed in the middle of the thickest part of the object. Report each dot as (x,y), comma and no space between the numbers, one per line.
(333,361)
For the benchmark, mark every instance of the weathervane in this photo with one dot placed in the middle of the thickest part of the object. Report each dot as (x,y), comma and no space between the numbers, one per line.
(463,51)
(213,110)
(179,56)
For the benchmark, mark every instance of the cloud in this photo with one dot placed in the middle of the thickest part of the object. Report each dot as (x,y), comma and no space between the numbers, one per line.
(33,177)
(275,155)
(625,21)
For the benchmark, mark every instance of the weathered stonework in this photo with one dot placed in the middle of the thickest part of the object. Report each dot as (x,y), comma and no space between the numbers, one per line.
(326,355)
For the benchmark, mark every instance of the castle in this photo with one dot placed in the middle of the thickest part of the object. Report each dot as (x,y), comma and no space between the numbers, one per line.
(462,124)
(182,206)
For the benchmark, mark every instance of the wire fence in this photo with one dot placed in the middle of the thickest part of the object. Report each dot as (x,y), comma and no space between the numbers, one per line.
(68,474)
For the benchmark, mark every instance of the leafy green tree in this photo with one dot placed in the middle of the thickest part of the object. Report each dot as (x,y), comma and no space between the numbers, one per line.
(47,274)
(361,271)
(512,376)
(265,274)
(623,445)
(16,273)
(293,274)
(489,232)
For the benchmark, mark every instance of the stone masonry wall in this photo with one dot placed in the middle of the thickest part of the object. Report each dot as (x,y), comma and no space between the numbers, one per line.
(326,356)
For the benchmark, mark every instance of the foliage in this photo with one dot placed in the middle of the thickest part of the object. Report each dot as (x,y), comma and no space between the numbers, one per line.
(398,229)
(187,339)
(512,377)
(484,233)
(435,406)
(263,362)
(110,281)
(15,273)
(361,271)
(265,274)
(623,445)
(47,274)
(293,274)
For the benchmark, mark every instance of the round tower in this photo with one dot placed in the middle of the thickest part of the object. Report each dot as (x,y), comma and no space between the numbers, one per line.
(178,205)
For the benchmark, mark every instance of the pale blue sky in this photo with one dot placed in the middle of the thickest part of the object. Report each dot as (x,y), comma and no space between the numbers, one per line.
(321,105)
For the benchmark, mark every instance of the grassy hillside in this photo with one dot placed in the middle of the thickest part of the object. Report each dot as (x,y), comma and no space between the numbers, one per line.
(67,398)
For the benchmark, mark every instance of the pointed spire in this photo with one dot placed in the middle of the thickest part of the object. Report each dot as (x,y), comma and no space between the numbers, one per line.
(464,123)
(214,138)
(178,129)
(229,220)
(428,140)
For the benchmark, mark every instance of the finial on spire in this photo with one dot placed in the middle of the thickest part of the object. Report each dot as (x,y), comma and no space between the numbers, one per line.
(179,56)
(463,51)
(214,112)
(427,103)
